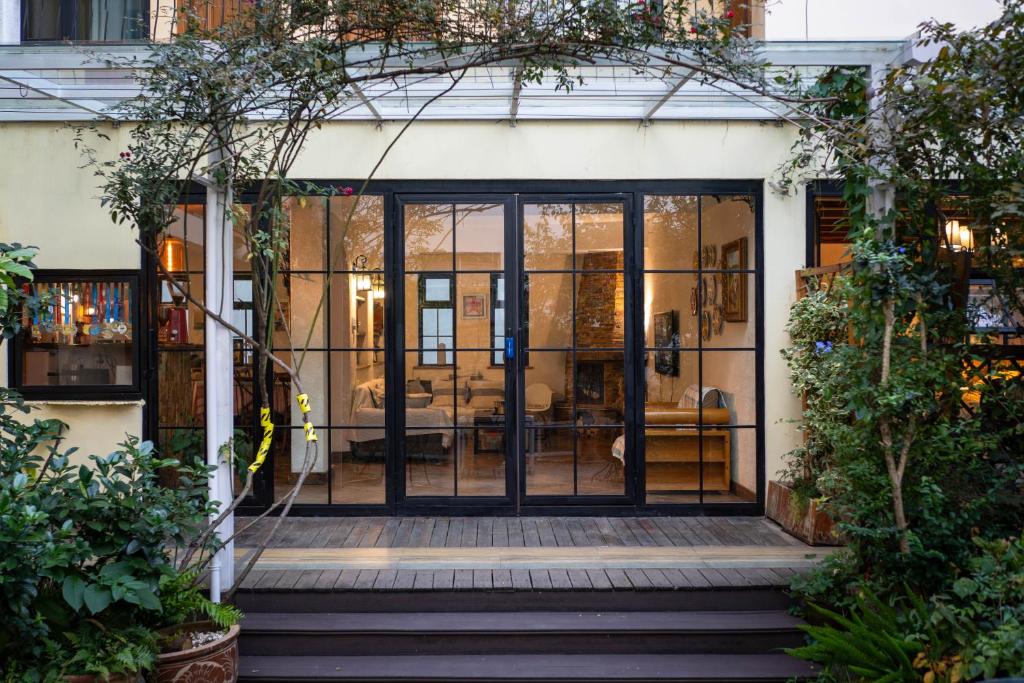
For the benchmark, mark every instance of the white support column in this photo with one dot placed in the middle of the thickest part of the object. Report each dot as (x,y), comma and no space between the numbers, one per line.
(219,372)
(10,22)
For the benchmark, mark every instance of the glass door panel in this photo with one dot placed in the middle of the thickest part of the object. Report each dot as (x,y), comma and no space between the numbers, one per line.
(456,434)
(573,322)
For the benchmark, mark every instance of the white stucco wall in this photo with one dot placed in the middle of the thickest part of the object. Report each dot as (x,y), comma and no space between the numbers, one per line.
(46,199)
(868,19)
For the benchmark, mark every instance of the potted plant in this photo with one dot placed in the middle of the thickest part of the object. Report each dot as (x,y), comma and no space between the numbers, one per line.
(198,639)
(818,332)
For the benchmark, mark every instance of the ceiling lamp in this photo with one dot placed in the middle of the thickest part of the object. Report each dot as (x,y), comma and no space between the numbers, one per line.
(172,254)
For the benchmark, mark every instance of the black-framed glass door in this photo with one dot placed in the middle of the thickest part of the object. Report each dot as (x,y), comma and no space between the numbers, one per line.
(455,381)
(574,376)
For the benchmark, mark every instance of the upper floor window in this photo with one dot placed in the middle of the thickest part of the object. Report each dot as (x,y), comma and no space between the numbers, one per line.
(84,20)
(82,339)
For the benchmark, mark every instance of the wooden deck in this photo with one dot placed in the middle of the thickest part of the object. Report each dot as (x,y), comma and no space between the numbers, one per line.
(524,553)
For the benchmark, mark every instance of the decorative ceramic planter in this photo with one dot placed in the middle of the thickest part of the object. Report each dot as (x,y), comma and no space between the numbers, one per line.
(810,525)
(215,662)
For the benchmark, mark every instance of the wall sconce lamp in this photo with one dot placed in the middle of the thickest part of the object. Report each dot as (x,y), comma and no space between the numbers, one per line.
(377,285)
(362,278)
(959,236)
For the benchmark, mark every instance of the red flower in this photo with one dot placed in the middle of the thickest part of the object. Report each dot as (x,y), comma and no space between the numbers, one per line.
(345,190)
(693,29)
(730,14)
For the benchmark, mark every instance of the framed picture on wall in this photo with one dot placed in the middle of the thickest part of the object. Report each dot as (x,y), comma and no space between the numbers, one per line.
(734,285)
(666,334)
(474,306)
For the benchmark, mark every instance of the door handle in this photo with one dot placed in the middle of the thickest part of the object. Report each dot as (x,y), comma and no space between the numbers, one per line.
(510,348)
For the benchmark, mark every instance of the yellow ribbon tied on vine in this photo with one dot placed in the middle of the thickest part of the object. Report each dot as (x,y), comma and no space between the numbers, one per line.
(268,436)
(303,401)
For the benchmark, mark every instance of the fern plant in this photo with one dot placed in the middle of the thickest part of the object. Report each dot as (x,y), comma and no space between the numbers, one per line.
(183,601)
(870,644)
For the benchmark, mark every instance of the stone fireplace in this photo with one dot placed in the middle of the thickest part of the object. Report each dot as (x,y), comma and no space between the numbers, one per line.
(600,323)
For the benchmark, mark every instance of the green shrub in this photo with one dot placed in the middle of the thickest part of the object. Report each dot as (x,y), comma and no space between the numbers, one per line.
(818,330)
(84,550)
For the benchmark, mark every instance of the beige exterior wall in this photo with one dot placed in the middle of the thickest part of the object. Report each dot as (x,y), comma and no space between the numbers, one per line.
(46,199)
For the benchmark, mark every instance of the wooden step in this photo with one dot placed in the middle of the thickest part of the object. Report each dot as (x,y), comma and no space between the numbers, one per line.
(688,668)
(655,599)
(463,633)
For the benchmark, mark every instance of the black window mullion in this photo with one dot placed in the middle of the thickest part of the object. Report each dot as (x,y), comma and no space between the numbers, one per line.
(700,353)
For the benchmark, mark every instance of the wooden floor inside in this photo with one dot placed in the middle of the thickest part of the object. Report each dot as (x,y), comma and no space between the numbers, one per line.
(522,553)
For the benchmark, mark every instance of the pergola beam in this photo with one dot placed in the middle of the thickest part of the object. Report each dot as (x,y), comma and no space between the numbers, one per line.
(653,109)
(366,102)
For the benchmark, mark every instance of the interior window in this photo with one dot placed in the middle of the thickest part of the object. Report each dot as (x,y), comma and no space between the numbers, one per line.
(436,296)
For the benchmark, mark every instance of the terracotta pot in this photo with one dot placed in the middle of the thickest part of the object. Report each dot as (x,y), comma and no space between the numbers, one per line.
(215,662)
(810,525)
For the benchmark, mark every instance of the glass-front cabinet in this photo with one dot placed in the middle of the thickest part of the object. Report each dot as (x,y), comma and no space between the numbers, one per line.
(501,351)
(79,336)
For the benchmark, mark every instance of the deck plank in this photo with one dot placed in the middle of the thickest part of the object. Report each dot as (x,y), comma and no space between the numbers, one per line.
(540,579)
(385,580)
(639,579)
(327,579)
(469,527)
(560,579)
(485,532)
(501,579)
(579,579)
(405,579)
(463,579)
(618,579)
(423,581)
(404,533)
(546,532)
(454,538)
(515,532)
(439,533)
(346,580)
(307,580)
(499,533)
(482,579)
(599,579)
(422,528)
(521,579)
(444,579)
(531,536)
(561,530)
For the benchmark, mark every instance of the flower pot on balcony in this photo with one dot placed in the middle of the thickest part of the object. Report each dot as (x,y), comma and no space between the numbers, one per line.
(210,662)
(806,522)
